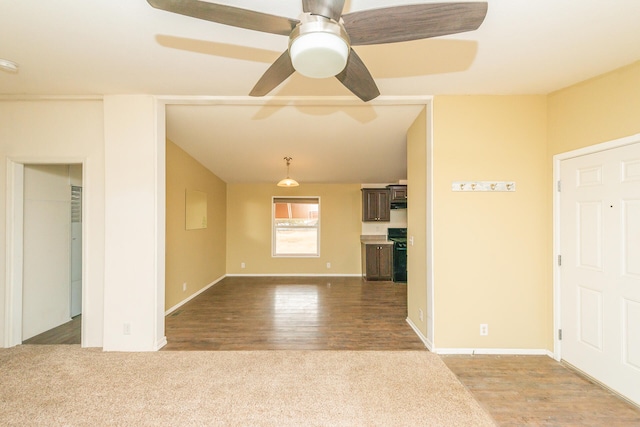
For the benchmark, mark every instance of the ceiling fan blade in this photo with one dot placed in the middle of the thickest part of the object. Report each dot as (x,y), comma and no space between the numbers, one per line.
(327,8)
(228,15)
(412,22)
(357,78)
(278,72)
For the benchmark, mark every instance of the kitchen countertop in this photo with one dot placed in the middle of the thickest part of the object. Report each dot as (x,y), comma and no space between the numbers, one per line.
(375,239)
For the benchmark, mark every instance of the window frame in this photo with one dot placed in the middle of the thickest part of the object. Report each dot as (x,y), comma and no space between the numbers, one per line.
(274,227)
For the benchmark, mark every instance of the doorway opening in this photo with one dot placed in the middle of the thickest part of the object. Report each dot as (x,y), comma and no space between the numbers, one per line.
(46,254)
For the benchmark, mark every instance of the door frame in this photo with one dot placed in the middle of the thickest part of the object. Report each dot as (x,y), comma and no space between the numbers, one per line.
(15,242)
(557,163)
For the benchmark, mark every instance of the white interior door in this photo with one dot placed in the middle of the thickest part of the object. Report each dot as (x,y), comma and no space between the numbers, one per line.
(600,272)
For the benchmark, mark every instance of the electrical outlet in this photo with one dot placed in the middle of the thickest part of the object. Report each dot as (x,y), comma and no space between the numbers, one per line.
(184,286)
(126,329)
(420,314)
(242,265)
(328,265)
(484,329)
(411,240)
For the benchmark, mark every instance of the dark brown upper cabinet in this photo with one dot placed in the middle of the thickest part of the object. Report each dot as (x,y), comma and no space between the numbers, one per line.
(376,204)
(398,193)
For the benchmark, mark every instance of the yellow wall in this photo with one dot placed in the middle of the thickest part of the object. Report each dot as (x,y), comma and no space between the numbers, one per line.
(249,230)
(197,257)
(417,222)
(598,110)
(492,257)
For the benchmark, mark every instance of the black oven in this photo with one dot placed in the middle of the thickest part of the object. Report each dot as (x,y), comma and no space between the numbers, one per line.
(399,238)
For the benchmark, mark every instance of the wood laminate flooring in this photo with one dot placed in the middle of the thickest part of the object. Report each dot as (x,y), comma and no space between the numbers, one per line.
(294,313)
(538,391)
(67,333)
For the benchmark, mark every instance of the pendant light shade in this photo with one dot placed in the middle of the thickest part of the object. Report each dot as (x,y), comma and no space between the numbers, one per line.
(9,66)
(288,182)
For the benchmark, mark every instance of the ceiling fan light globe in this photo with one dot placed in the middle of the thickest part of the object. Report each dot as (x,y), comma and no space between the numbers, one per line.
(319,55)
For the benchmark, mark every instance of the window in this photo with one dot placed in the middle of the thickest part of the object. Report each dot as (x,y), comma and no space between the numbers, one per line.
(296,226)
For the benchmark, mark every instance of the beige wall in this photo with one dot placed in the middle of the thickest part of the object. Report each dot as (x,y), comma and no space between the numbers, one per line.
(197,257)
(249,230)
(417,223)
(491,249)
(598,110)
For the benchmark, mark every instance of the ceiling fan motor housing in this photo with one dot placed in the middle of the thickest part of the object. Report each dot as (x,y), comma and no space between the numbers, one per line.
(319,47)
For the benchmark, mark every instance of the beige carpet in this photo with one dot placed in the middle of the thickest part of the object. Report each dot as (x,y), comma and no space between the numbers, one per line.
(70,386)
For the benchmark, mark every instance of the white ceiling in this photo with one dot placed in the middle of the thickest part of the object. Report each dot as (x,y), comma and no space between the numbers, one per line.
(355,144)
(70,47)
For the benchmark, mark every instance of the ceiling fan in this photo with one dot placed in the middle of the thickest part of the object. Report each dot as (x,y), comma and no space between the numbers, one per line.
(320,42)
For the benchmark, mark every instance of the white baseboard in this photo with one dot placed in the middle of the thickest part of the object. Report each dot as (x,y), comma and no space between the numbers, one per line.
(294,275)
(161,343)
(192,296)
(496,351)
(420,335)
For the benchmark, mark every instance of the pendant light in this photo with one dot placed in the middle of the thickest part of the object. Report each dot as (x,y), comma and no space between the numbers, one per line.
(9,66)
(288,182)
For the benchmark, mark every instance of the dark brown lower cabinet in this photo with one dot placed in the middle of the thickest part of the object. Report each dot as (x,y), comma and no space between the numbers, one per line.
(377,261)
